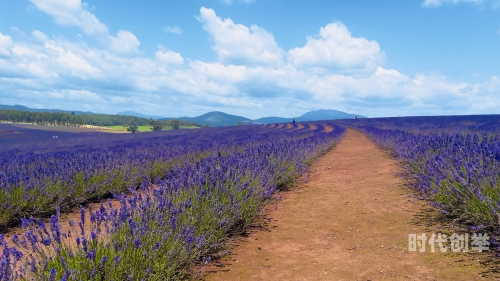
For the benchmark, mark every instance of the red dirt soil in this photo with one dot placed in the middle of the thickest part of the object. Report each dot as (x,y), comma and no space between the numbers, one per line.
(349,222)
(328,129)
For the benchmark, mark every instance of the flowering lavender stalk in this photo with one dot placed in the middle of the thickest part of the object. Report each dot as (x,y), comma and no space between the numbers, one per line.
(454,161)
(185,217)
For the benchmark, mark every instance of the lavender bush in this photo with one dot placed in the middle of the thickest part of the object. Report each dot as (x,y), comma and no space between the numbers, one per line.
(454,161)
(181,215)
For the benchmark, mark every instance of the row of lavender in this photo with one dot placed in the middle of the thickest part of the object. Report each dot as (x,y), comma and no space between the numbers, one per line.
(36,182)
(206,189)
(454,161)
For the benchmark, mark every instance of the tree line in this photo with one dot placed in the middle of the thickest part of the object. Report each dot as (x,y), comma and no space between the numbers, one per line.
(70,119)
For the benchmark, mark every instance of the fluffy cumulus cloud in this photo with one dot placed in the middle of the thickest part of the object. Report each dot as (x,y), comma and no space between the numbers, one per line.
(169,57)
(74,13)
(253,75)
(239,44)
(336,48)
(124,42)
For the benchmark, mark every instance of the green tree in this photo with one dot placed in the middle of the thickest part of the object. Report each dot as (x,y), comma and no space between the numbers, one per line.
(132,127)
(157,126)
(175,124)
(207,125)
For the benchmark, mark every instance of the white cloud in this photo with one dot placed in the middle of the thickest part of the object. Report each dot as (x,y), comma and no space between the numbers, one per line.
(238,44)
(5,44)
(39,35)
(173,29)
(76,65)
(72,13)
(437,3)
(168,57)
(125,42)
(337,49)
(82,96)
(250,79)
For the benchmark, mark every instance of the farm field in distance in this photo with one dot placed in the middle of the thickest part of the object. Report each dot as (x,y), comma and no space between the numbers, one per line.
(38,137)
(146,128)
(182,192)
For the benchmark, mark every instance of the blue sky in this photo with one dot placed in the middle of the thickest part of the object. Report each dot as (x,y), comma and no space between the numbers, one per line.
(252,58)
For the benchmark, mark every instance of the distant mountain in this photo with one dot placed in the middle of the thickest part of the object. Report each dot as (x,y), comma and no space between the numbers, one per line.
(269,120)
(15,107)
(216,119)
(323,114)
(317,115)
(136,114)
(24,108)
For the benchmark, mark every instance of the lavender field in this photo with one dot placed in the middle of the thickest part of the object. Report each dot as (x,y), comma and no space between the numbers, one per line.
(182,193)
(453,161)
(195,187)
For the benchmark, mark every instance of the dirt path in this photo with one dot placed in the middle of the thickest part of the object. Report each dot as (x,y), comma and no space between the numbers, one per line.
(349,222)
